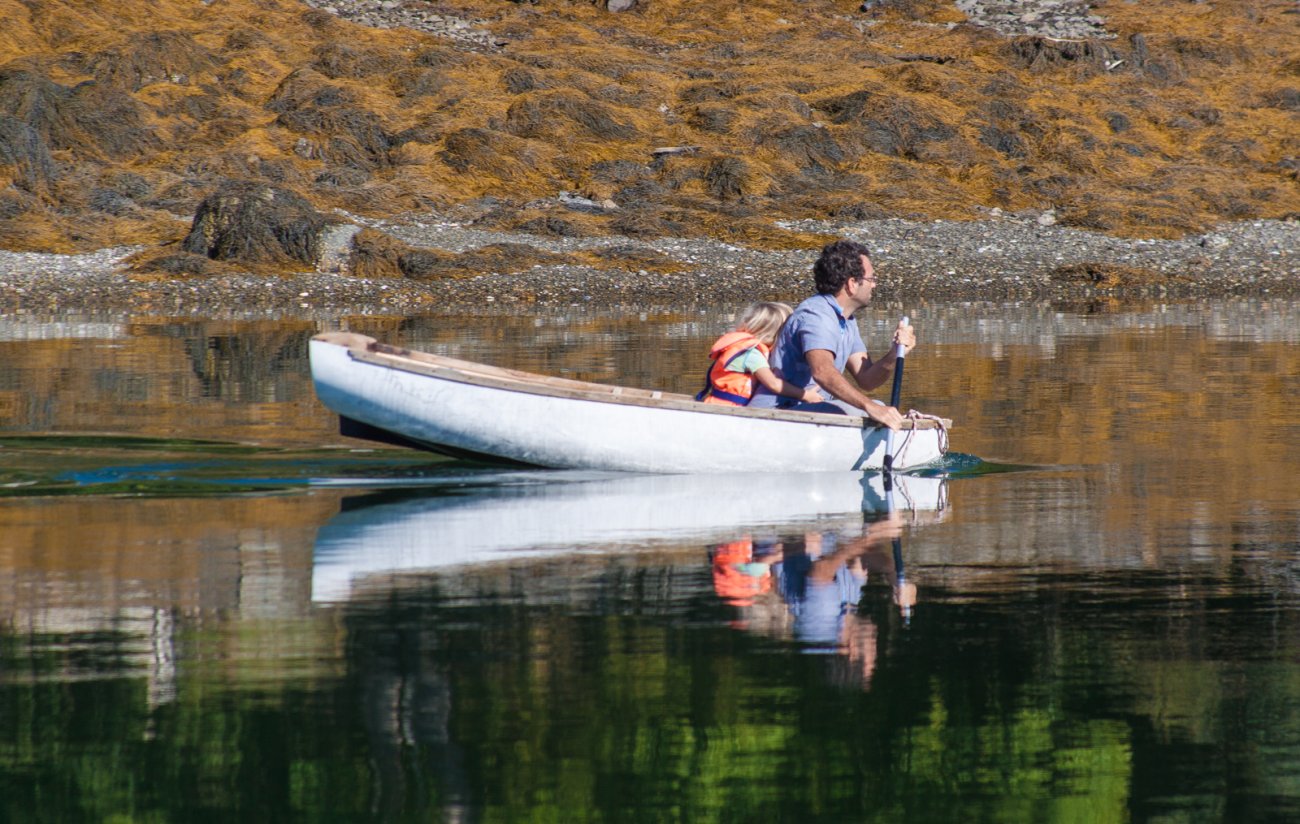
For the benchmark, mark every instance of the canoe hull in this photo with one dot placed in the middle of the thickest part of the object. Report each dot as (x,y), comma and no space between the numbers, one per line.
(433,403)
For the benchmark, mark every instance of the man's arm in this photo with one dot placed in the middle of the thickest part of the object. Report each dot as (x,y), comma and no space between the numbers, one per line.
(822,362)
(868,373)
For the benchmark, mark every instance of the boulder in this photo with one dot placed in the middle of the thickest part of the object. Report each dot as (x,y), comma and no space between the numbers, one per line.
(257,225)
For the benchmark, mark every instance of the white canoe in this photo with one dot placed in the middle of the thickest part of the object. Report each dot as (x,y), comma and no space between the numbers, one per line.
(464,408)
(522,517)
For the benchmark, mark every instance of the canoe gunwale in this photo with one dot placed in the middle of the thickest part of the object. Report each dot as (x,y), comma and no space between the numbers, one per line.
(367,350)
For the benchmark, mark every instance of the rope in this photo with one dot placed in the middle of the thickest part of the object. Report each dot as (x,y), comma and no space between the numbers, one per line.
(914,416)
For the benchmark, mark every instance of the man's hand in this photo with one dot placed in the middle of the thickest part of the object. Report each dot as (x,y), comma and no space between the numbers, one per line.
(885,415)
(905,335)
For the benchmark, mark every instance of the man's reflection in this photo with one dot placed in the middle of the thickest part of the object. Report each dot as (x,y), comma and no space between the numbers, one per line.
(817,580)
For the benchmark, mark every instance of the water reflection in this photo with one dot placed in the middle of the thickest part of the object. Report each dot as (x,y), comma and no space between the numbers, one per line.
(1111,637)
(807,588)
(522,516)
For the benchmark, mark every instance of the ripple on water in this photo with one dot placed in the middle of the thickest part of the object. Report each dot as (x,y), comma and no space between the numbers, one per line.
(58,465)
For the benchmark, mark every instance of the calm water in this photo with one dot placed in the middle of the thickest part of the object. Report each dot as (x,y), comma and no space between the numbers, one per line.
(213,608)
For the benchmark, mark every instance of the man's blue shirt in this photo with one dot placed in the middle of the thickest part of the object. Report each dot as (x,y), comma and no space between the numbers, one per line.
(817,323)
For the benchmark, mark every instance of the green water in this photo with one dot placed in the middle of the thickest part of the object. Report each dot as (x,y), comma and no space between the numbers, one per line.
(213,608)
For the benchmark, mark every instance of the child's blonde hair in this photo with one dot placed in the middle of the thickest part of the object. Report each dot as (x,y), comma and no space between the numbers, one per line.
(764,320)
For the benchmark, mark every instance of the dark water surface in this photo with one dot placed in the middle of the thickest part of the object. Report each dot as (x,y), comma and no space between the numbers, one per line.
(213,608)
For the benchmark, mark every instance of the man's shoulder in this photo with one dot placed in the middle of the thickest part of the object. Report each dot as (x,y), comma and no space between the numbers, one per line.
(812,303)
(815,307)
(817,311)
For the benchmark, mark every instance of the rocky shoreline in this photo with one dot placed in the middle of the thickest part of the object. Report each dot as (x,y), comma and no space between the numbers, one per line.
(1003,257)
(646,261)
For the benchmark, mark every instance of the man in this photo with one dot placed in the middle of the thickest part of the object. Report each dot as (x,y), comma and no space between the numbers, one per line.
(821,341)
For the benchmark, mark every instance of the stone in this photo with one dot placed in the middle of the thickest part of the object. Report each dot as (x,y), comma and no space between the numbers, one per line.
(336,248)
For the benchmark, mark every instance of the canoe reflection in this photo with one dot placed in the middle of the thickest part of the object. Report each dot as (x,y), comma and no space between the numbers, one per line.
(527,514)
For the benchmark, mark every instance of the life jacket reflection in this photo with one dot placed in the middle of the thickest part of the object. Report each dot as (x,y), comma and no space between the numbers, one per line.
(730,388)
(734,578)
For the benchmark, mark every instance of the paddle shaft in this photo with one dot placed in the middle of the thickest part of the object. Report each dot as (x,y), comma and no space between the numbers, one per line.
(898,374)
(895,394)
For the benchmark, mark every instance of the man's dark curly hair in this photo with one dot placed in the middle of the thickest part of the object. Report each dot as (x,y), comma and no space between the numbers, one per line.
(839,262)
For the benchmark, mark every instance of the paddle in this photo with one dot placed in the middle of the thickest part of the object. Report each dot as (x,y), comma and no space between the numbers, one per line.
(899,577)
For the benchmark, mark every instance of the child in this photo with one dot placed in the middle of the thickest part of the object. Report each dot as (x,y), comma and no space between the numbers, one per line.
(740,358)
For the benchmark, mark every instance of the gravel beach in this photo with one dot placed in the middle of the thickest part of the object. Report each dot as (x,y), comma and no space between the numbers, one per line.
(1003,257)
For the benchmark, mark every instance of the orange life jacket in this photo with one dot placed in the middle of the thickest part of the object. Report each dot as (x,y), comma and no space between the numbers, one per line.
(730,388)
